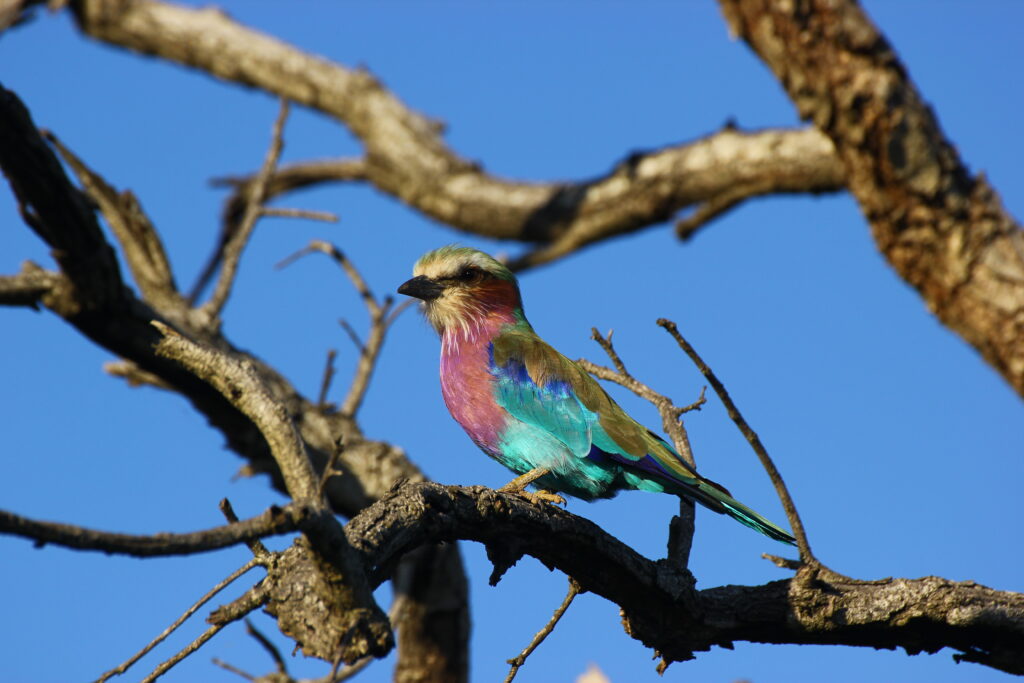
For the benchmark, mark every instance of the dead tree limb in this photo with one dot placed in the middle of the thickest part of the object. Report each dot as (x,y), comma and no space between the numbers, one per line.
(406,157)
(662,609)
(942,228)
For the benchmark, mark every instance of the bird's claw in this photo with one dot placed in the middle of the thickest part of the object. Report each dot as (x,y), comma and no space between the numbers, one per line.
(543,497)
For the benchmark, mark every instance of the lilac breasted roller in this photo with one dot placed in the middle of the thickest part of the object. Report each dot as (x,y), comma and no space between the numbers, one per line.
(534,410)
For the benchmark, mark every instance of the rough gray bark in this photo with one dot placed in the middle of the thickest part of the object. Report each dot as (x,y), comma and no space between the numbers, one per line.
(944,230)
(659,604)
(407,158)
(89,293)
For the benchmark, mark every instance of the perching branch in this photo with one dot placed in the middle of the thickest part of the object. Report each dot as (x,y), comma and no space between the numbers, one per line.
(660,606)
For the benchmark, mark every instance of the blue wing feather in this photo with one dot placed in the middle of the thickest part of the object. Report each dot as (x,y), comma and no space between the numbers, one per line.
(552,407)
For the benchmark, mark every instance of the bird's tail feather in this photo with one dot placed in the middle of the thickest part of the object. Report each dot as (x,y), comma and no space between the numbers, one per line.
(715,497)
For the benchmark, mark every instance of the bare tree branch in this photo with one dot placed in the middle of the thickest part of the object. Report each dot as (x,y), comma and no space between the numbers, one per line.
(683,526)
(944,230)
(275,521)
(280,212)
(58,213)
(285,179)
(382,314)
(254,208)
(660,606)
(751,436)
(28,287)
(143,251)
(407,158)
(169,664)
(90,295)
(539,637)
(180,620)
(364,627)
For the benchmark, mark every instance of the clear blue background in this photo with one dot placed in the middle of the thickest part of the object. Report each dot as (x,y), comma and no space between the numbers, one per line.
(901,447)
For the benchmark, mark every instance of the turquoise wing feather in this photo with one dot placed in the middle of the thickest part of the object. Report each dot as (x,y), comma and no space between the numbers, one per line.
(554,396)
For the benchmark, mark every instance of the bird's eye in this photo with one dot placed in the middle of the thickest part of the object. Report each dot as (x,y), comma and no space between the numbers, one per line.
(468,273)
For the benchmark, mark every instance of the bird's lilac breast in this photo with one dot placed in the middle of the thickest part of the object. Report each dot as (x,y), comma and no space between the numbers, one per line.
(467,387)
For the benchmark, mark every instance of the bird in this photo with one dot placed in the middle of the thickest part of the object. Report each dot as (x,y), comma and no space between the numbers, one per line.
(535,411)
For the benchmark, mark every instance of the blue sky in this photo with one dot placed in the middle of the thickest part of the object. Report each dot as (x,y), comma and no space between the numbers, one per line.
(900,446)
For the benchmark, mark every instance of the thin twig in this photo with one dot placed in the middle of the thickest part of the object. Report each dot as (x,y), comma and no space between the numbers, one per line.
(339,257)
(256,546)
(669,412)
(348,672)
(752,439)
(367,359)
(268,646)
(325,383)
(696,405)
(605,342)
(520,659)
(257,194)
(330,468)
(309,214)
(398,310)
(352,334)
(185,652)
(717,205)
(682,527)
(180,620)
(381,318)
(233,669)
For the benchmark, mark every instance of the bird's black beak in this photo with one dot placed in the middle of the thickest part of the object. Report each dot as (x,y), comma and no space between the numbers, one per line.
(421,287)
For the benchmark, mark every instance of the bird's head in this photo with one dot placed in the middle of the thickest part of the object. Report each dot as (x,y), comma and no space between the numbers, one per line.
(462,288)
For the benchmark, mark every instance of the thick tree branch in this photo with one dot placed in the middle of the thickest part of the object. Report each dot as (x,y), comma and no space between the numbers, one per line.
(58,213)
(660,606)
(944,230)
(407,158)
(364,629)
(90,295)
(143,251)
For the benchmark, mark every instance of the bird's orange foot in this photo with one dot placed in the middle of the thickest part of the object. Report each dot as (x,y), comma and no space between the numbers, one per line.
(542,497)
(519,484)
